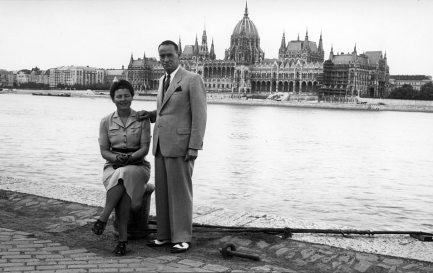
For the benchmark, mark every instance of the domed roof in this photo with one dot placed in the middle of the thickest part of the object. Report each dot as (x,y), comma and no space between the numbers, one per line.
(246,27)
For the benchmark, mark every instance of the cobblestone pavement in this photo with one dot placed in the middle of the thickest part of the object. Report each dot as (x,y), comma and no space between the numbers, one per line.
(47,235)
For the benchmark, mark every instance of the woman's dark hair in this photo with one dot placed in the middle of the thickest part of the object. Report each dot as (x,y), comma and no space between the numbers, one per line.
(120,84)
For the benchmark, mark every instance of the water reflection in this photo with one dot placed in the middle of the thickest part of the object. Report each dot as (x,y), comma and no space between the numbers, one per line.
(353,168)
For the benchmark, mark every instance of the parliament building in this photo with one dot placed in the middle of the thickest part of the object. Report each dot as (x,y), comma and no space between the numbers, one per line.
(300,67)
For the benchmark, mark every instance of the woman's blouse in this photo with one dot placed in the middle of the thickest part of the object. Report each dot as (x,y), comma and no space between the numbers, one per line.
(114,135)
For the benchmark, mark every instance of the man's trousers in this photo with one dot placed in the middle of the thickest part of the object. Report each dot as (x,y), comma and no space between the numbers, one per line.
(173,198)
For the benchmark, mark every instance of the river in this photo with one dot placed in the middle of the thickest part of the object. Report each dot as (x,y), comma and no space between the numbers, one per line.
(361,169)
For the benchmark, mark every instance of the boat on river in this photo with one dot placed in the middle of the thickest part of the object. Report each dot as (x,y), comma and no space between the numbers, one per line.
(51,94)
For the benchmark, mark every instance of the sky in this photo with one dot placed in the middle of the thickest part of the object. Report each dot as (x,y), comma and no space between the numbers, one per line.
(104,33)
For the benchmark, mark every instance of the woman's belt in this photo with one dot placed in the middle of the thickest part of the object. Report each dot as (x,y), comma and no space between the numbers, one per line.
(124,150)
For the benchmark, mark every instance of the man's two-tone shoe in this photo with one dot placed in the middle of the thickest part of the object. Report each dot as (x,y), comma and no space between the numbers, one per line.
(180,247)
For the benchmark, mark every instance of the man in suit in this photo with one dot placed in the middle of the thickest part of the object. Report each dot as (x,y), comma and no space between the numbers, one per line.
(180,122)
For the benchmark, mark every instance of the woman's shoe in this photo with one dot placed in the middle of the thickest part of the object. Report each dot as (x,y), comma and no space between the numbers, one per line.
(120,249)
(99,227)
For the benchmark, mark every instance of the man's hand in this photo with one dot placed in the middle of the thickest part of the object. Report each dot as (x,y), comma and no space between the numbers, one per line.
(141,115)
(191,154)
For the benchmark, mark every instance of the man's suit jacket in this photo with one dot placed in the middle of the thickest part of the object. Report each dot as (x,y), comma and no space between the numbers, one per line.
(181,116)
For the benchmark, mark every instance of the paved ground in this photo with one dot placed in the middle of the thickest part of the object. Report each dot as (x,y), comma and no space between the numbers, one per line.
(48,235)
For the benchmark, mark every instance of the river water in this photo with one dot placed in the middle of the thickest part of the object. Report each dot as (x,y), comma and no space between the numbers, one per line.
(359,169)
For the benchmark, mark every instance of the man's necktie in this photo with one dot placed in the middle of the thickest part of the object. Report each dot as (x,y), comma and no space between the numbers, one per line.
(165,85)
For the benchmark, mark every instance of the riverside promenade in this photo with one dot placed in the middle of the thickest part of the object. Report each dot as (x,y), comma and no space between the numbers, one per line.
(368,105)
(40,234)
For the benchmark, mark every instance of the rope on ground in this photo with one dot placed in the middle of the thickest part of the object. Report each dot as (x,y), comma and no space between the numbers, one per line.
(288,232)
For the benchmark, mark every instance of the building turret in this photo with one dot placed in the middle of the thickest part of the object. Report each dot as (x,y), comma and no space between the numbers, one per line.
(204,41)
(354,50)
(320,44)
(212,55)
(331,54)
(196,48)
(131,59)
(282,50)
(179,48)
(306,42)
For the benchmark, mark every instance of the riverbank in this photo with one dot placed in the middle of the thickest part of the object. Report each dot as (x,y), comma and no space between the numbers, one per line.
(368,105)
(39,233)
(402,246)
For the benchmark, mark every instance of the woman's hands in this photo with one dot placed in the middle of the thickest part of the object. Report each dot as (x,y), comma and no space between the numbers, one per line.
(123,159)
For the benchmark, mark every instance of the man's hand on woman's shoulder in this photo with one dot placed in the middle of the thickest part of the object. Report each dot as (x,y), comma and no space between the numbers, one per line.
(142,115)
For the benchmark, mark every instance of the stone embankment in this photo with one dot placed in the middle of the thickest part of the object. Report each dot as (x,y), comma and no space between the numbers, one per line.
(39,234)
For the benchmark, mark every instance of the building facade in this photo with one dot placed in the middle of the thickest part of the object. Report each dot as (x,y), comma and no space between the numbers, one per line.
(4,78)
(23,77)
(76,75)
(39,76)
(364,75)
(114,74)
(299,67)
(416,81)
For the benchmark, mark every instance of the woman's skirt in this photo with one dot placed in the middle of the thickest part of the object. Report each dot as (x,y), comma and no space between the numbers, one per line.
(134,178)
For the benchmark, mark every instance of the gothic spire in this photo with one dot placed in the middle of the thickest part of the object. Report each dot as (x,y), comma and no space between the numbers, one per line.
(196,49)
(283,45)
(320,43)
(354,49)
(179,47)
(246,9)
(204,40)
(212,52)
(331,53)
(298,36)
(306,35)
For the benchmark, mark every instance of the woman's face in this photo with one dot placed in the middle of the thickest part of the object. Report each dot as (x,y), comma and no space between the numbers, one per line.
(122,99)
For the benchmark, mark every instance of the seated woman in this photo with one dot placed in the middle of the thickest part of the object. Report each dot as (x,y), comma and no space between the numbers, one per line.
(124,143)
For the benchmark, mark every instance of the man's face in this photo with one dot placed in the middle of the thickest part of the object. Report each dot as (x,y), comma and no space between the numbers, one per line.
(168,57)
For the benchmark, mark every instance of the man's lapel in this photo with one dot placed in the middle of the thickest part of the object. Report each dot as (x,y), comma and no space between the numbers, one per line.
(159,97)
(173,85)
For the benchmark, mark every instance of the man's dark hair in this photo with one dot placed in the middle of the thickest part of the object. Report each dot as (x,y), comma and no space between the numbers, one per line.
(169,42)
(120,84)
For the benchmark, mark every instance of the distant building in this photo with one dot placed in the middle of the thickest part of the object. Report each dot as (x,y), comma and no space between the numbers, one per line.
(112,74)
(197,52)
(39,76)
(140,73)
(299,68)
(23,76)
(351,74)
(416,81)
(4,78)
(12,78)
(76,75)
(244,68)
